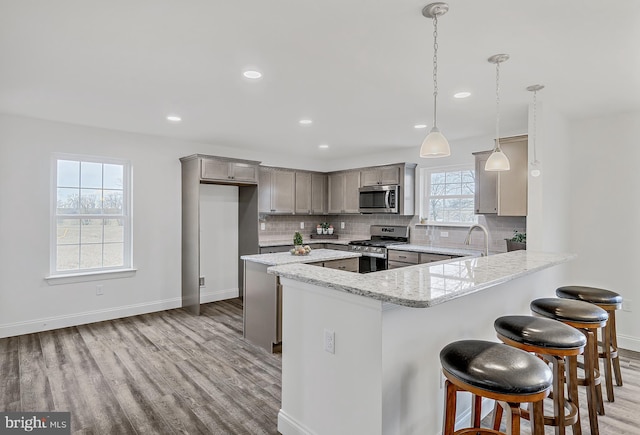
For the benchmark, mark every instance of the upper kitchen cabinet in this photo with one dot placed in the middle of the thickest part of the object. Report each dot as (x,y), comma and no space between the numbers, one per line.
(276,190)
(311,193)
(229,171)
(343,192)
(503,193)
(381,175)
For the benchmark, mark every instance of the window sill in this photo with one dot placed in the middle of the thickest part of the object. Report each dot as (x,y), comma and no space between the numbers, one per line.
(446,224)
(89,276)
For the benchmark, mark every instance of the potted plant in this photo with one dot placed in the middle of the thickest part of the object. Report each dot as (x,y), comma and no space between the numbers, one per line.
(330,229)
(325,227)
(319,229)
(297,239)
(517,242)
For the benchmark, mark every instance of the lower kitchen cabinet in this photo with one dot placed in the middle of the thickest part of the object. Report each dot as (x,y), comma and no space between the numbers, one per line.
(337,247)
(348,264)
(397,258)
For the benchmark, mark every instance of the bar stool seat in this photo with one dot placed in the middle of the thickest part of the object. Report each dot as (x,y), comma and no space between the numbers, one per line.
(496,371)
(610,301)
(587,318)
(559,345)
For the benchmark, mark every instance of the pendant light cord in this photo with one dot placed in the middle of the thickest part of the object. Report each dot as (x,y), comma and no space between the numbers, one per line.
(497,148)
(435,70)
(535,123)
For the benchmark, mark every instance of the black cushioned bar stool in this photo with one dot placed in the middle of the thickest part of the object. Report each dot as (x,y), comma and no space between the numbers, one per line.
(610,302)
(559,345)
(496,371)
(587,318)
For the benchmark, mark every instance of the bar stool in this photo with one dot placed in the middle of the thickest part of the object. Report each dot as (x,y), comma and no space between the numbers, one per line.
(587,318)
(610,302)
(559,345)
(496,371)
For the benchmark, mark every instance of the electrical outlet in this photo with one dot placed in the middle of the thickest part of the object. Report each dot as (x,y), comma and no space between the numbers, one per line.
(263,226)
(302,225)
(99,290)
(627,305)
(444,233)
(329,341)
(342,225)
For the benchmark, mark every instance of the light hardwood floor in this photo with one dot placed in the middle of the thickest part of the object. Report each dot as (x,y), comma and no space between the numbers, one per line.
(171,372)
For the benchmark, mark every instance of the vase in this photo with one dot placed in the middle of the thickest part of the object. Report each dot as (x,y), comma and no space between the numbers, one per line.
(515,246)
(324,231)
(319,230)
(330,230)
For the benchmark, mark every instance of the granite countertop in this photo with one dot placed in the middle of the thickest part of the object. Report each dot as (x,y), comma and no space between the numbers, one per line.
(437,250)
(429,284)
(341,240)
(280,258)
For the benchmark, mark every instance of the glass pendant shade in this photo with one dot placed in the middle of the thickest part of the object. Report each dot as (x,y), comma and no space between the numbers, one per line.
(497,161)
(435,145)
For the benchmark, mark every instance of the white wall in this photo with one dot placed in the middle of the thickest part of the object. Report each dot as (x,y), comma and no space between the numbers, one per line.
(27,302)
(605,210)
(218,242)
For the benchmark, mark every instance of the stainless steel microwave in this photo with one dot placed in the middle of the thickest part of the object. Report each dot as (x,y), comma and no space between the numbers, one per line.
(379,199)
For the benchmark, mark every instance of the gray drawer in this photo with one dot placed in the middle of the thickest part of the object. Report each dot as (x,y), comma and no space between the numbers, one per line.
(429,258)
(404,256)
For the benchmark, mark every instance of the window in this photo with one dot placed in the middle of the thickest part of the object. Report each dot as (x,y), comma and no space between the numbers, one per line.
(91,220)
(449,195)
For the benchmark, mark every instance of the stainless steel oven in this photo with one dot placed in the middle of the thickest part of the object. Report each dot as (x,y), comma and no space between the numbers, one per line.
(379,199)
(374,250)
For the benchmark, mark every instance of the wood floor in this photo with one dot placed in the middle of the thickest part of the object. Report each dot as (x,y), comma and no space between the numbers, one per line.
(160,373)
(171,372)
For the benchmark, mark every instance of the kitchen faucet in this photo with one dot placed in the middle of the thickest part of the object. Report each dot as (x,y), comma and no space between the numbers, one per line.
(467,241)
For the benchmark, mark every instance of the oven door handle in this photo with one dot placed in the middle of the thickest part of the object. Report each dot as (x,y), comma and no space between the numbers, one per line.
(387,195)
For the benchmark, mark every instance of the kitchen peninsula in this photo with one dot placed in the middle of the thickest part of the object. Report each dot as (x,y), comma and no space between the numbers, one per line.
(361,352)
(262,316)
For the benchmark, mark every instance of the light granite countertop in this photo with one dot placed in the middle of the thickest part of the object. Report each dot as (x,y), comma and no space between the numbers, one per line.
(437,250)
(341,240)
(429,284)
(281,258)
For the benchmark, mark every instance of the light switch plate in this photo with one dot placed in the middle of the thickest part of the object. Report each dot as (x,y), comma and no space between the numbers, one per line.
(263,226)
(302,225)
(342,225)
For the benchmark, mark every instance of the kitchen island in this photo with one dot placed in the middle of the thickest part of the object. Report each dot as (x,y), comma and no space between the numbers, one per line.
(361,352)
(262,305)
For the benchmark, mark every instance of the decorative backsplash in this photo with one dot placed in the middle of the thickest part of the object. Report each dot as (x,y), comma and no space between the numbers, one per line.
(279,227)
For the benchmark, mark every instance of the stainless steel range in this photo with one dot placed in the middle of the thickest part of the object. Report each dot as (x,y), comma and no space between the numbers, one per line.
(374,250)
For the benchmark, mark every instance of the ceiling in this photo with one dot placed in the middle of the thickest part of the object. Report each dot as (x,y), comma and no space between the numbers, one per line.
(360,69)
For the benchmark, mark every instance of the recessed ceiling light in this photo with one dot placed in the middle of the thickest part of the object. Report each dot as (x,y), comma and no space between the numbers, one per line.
(174,118)
(250,74)
(462,95)
(323,146)
(420,126)
(305,121)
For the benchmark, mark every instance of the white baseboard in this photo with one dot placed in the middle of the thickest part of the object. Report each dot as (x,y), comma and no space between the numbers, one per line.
(289,426)
(629,343)
(49,323)
(218,295)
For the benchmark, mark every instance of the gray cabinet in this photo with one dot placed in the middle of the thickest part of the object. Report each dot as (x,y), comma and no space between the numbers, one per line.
(343,192)
(347,264)
(337,246)
(430,258)
(276,191)
(397,258)
(380,176)
(310,193)
(503,193)
(228,171)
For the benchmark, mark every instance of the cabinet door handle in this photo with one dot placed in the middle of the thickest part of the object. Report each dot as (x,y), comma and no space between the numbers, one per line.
(402,256)
(342,267)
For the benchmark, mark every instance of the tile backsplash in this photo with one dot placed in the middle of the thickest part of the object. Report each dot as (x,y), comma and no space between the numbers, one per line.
(278,227)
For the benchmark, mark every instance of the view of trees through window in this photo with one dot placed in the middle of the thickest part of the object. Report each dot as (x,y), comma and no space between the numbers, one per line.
(90,216)
(450,196)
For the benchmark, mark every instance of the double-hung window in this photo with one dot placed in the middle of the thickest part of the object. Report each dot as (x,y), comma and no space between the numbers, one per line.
(91,215)
(448,196)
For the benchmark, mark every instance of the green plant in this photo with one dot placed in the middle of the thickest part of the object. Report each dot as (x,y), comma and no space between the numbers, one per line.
(297,238)
(518,237)
(324,225)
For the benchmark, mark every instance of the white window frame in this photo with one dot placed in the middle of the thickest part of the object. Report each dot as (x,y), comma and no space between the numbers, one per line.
(426,190)
(126,216)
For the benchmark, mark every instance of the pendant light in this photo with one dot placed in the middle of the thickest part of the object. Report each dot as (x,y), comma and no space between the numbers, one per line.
(435,144)
(497,161)
(535,165)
